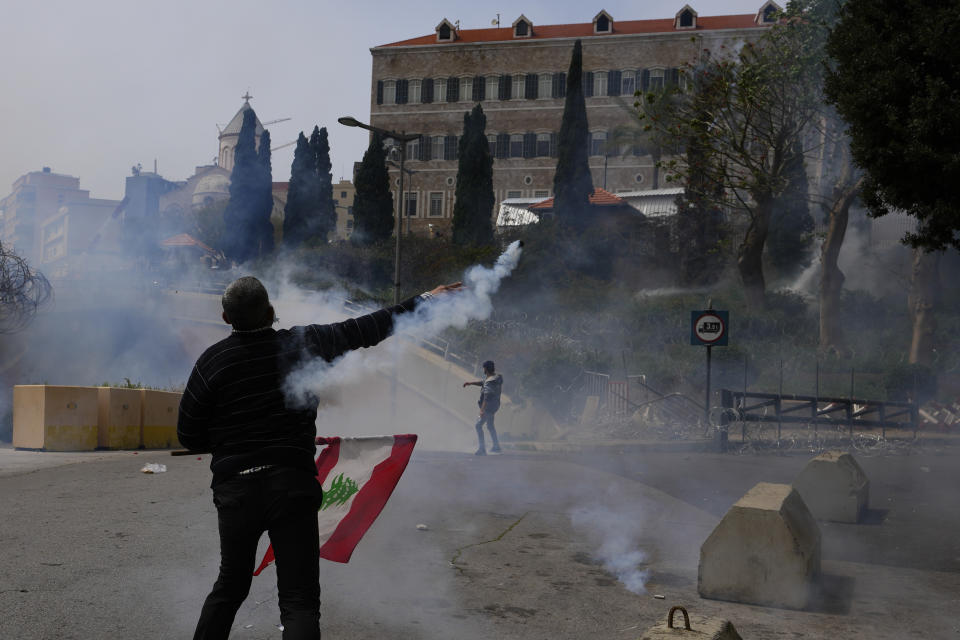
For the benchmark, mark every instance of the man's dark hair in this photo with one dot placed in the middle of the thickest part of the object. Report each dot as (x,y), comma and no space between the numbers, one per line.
(488,366)
(246,303)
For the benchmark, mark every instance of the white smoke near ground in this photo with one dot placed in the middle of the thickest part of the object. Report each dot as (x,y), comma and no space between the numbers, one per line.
(615,536)
(317,377)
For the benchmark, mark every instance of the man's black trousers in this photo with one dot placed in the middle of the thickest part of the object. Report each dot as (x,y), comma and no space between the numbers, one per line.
(282,501)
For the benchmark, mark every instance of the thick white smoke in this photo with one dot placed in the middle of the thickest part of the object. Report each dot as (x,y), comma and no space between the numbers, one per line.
(316,378)
(615,535)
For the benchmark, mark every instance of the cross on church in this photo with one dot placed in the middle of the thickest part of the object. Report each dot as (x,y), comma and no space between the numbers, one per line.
(247,96)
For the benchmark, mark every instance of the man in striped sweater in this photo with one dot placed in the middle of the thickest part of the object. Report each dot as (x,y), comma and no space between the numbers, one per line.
(264,477)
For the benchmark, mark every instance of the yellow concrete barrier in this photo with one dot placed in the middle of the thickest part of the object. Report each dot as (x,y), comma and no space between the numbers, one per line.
(159,410)
(118,418)
(55,418)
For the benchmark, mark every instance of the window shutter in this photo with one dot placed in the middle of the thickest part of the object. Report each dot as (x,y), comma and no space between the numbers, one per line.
(453,89)
(559,85)
(402,88)
(613,83)
(529,145)
(479,87)
(425,149)
(450,148)
(531,89)
(673,76)
(379,91)
(427,92)
(645,80)
(588,84)
(553,145)
(503,145)
(504,88)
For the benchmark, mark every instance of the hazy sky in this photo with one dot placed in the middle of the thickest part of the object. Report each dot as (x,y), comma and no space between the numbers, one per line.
(92,88)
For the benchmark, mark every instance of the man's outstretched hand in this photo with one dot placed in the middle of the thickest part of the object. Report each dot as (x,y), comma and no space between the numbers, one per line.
(445,289)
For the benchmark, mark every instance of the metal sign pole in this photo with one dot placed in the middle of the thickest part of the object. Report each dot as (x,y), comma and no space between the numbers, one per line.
(706,405)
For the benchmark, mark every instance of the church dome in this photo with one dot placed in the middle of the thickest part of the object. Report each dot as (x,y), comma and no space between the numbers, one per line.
(215,186)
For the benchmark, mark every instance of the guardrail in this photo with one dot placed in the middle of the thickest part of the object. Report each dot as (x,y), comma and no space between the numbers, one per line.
(790,408)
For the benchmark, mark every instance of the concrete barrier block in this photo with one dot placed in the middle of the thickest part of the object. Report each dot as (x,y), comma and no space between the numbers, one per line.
(159,421)
(692,627)
(118,418)
(54,418)
(765,550)
(834,487)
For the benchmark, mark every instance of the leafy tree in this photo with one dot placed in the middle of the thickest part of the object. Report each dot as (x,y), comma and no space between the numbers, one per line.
(303,196)
(250,186)
(791,225)
(572,183)
(326,210)
(895,84)
(472,211)
(748,114)
(373,203)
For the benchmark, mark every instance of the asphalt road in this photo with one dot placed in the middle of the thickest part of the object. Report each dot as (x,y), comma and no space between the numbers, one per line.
(515,546)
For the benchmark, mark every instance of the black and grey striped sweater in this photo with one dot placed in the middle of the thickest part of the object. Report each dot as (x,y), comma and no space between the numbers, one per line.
(234,403)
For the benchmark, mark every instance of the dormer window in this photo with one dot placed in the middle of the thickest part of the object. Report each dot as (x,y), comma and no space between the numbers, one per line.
(686,18)
(768,13)
(446,32)
(602,23)
(522,28)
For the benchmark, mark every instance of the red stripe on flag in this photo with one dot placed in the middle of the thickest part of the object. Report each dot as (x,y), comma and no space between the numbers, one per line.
(328,457)
(369,501)
(325,461)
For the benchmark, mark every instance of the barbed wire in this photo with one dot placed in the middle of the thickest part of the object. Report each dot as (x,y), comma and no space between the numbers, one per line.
(22,291)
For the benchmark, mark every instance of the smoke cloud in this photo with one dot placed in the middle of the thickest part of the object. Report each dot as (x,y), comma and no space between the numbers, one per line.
(615,535)
(317,377)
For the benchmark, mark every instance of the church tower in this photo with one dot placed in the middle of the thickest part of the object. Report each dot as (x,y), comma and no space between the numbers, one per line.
(231,133)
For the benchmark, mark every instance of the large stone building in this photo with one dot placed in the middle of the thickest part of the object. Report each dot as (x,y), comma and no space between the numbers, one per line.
(518,74)
(47,215)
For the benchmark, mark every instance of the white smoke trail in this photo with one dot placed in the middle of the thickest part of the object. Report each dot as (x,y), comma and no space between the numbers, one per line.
(615,535)
(474,302)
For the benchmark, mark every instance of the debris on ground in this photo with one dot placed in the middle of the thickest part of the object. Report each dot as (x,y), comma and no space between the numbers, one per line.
(153,467)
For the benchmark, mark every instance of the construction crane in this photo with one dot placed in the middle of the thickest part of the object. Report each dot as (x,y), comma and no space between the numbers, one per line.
(282,146)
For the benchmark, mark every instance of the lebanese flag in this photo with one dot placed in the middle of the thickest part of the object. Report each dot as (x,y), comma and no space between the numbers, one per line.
(358,475)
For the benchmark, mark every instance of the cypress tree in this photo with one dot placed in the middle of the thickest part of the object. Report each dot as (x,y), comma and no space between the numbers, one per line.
(261,227)
(373,203)
(302,196)
(572,184)
(472,211)
(244,199)
(326,220)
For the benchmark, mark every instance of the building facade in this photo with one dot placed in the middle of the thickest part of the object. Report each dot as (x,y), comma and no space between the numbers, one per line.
(518,74)
(48,212)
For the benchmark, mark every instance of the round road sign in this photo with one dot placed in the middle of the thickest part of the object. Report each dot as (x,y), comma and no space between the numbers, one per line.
(709,328)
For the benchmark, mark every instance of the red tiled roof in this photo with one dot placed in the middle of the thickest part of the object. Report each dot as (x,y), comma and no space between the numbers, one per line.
(585,30)
(599,198)
(280,186)
(185,240)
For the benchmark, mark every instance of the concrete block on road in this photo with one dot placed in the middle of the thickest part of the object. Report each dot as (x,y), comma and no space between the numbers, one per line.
(54,418)
(765,550)
(834,487)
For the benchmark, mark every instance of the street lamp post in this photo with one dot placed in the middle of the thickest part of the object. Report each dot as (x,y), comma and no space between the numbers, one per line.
(403,139)
(406,207)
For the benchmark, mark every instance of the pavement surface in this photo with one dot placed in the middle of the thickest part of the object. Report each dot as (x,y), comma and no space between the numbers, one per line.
(564,544)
